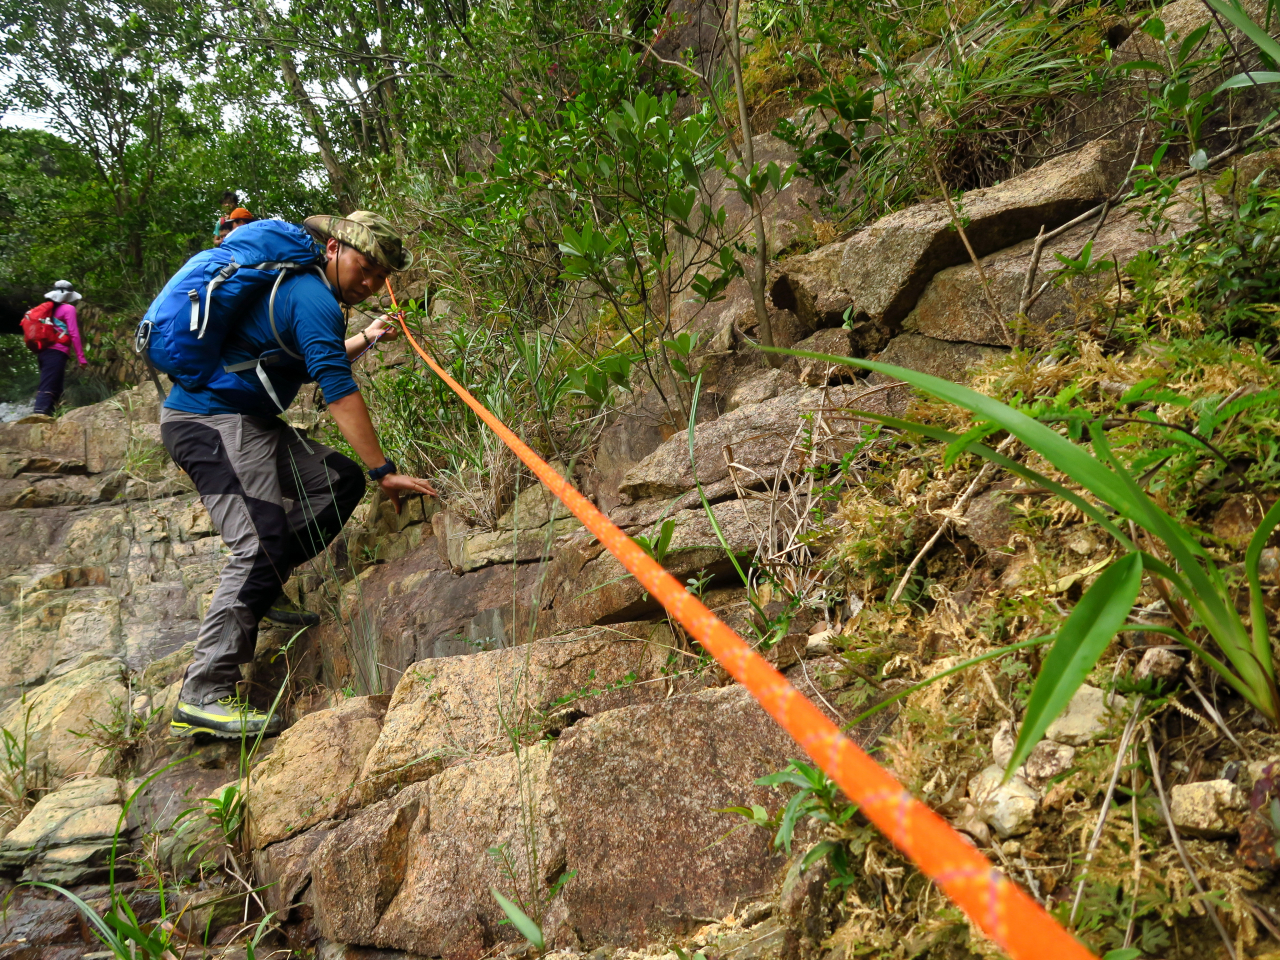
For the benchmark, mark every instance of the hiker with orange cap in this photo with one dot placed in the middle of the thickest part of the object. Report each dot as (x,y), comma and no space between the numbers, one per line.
(276,498)
(236,218)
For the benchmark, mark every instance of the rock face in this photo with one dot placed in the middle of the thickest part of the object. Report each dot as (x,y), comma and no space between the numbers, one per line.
(465,706)
(528,530)
(416,609)
(359,867)
(758,436)
(940,358)
(886,267)
(67,836)
(413,872)
(444,907)
(71,704)
(285,868)
(810,287)
(95,562)
(310,774)
(600,591)
(954,307)
(645,865)
(1210,808)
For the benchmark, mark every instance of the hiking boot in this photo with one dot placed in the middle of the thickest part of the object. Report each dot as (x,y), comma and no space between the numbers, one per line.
(229,718)
(286,613)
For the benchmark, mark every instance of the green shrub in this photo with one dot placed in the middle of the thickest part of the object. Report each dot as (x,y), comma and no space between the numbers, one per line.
(19,373)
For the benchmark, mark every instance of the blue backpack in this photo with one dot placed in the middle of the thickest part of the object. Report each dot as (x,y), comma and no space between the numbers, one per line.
(183,331)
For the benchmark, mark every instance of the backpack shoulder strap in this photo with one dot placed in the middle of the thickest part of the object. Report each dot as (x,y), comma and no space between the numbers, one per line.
(271,314)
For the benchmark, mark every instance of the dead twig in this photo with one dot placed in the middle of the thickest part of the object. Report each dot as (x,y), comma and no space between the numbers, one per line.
(1210,709)
(1260,913)
(1182,853)
(952,514)
(1137,849)
(964,237)
(1106,805)
(1023,299)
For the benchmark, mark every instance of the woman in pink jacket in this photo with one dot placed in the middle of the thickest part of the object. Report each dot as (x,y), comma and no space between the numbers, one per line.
(53,358)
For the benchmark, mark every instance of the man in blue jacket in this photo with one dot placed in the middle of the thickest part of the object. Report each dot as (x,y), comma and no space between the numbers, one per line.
(277,499)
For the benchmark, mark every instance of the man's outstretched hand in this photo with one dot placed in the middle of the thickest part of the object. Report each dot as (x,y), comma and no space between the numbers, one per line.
(384,328)
(394,484)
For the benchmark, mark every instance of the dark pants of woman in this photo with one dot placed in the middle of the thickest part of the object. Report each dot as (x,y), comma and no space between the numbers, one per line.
(53,369)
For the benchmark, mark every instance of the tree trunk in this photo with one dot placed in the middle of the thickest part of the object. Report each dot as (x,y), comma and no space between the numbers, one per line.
(339,182)
(758,273)
(387,87)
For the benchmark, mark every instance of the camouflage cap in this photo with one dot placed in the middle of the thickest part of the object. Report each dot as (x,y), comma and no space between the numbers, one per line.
(367,232)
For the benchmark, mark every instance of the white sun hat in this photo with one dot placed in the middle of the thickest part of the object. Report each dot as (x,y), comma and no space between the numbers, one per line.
(63,292)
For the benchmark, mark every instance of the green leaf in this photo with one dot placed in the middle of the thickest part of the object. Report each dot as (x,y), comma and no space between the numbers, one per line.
(1140,65)
(797,807)
(1095,620)
(1188,46)
(664,539)
(1255,77)
(520,920)
(1123,953)
(1248,27)
(1073,460)
(1257,609)
(818,851)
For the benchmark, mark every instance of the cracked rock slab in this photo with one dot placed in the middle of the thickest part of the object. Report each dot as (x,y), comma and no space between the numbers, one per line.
(444,907)
(954,307)
(310,775)
(359,867)
(637,793)
(885,268)
(759,436)
(452,707)
(67,835)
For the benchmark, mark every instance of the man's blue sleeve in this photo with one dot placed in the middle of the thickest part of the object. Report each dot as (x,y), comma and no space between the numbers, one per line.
(318,327)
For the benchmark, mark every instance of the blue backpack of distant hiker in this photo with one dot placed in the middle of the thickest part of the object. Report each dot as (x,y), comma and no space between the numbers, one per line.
(183,331)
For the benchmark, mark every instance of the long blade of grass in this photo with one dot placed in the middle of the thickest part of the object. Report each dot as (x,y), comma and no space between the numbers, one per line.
(124,813)
(1252,79)
(1072,459)
(706,504)
(101,928)
(972,661)
(1257,610)
(1204,589)
(1248,27)
(1091,625)
(520,920)
(1161,569)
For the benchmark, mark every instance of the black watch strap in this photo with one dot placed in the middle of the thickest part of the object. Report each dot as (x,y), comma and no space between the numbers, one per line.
(377,473)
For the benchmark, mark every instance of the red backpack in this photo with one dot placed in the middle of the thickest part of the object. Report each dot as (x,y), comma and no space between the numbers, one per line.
(41,329)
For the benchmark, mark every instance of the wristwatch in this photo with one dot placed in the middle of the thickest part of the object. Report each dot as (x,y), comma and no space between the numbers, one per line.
(377,473)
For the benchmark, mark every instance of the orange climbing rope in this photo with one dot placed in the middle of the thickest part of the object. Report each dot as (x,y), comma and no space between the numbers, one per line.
(998,906)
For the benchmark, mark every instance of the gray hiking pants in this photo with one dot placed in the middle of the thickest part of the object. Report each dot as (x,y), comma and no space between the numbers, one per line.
(276,506)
